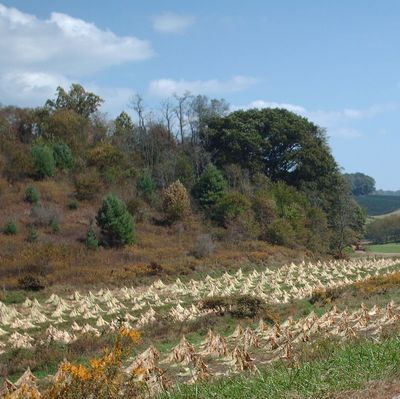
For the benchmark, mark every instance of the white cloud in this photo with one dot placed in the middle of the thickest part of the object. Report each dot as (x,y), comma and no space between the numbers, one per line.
(27,89)
(63,44)
(172,23)
(117,98)
(37,55)
(327,118)
(270,104)
(168,87)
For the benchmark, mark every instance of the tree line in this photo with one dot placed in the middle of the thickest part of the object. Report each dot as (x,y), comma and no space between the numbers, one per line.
(384,230)
(261,174)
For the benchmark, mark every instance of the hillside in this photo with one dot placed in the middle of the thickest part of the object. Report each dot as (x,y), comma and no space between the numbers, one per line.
(79,191)
(376,205)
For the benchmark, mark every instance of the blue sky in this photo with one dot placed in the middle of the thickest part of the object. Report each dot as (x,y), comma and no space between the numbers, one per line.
(337,63)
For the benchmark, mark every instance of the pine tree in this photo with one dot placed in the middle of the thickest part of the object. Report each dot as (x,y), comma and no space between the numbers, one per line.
(33,234)
(116,223)
(31,195)
(210,188)
(91,241)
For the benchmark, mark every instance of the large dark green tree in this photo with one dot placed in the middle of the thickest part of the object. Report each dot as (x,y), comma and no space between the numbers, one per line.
(285,146)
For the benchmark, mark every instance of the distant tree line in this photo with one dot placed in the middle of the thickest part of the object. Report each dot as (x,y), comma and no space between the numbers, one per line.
(384,230)
(360,183)
(262,174)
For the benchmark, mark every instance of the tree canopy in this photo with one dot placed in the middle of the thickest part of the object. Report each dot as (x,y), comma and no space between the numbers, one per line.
(77,99)
(360,183)
(283,145)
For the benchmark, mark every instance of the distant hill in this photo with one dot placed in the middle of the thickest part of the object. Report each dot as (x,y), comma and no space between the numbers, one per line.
(379,204)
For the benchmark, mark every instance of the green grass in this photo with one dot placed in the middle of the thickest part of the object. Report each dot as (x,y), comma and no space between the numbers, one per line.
(336,368)
(393,248)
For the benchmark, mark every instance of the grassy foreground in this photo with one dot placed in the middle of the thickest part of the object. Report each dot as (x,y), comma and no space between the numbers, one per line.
(334,369)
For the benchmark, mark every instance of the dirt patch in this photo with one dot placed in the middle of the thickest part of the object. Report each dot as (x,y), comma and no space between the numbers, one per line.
(388,389)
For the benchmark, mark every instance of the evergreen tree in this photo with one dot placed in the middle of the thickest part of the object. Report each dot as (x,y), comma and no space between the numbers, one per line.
(63,157)
(146,185)
(33,234)
(91,241)
(31,195)
(116,223)
(210,187)
(10,228)
(43,161)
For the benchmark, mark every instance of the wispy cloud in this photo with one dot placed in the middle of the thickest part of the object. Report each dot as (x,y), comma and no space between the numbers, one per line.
(172,23)
(271,104)
(338,123)
(167,87)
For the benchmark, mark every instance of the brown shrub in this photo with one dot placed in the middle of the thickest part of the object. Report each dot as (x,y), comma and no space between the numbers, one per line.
(19,163)
(218,304)
(204,246)
(54,191)
(44,215)
(154,269)
(243,227)
(88,185)
(247,306)
(176,202)
(325,295)
(238,306)
(104,155)
(31,282)
(379,284)
(138,209)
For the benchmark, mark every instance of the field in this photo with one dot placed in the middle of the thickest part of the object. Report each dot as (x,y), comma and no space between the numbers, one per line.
(379,204)
(394,213)
(262,330)
(393,248)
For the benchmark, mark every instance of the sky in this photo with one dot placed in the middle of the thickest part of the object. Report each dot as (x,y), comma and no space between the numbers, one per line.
(335,62)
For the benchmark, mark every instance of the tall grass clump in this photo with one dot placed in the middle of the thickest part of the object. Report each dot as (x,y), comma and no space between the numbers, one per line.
(337,368)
